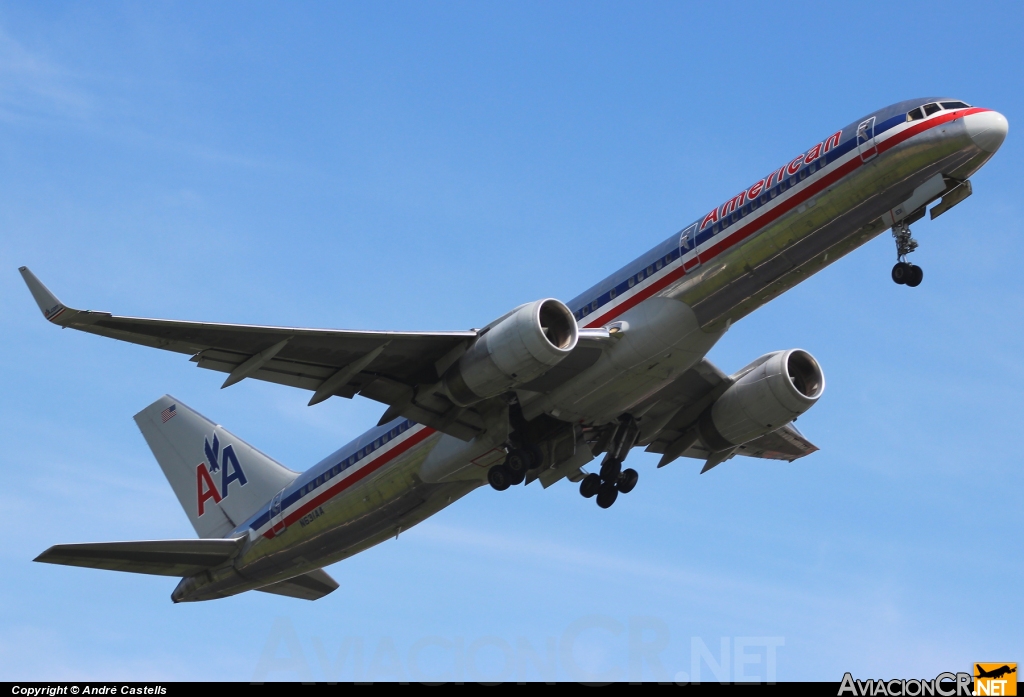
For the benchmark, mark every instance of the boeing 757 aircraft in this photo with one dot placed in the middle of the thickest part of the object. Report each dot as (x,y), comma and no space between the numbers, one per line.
(547,387)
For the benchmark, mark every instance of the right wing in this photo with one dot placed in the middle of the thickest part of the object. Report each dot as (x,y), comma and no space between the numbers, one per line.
(670,416)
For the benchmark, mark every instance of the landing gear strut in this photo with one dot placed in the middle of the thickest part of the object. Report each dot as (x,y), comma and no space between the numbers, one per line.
(613,480)
(905,273)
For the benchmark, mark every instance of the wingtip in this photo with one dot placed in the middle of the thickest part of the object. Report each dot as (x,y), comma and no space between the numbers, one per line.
(42,556)
(48,303)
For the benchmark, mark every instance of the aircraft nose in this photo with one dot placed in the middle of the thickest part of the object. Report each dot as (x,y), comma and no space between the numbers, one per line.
(987,129)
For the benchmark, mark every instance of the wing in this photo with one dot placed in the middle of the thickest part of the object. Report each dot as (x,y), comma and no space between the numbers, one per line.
(668,424)
(158,557)
(400,369)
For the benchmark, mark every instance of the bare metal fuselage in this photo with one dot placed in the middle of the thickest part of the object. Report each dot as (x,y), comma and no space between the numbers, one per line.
(678,301)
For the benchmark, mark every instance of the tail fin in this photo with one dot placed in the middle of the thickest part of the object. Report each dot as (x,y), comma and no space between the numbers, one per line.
(219,479)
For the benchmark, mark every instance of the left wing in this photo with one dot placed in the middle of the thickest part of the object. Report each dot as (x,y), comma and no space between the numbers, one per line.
(400,369)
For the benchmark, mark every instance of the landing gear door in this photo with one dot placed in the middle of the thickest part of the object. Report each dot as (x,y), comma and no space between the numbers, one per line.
(277,525)
(688,248)
(866,139)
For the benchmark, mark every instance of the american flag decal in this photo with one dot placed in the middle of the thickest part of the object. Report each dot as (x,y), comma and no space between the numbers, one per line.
(168,413)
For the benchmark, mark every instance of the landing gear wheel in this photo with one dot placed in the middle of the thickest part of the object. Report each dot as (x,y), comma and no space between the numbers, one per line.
(535,457)
(517,478)
(590,486)
(518,461)
(916,276)
(901,272)
(610,470)
(607,495)
(499,477)
(627,480)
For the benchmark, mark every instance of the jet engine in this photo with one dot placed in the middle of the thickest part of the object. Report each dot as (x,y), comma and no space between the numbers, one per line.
(517,348)
(766,395)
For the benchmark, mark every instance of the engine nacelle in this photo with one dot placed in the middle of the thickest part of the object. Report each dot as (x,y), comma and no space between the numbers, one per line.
(522,346)
(780,387)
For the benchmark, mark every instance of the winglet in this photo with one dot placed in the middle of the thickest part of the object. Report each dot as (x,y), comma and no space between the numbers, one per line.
(47,301)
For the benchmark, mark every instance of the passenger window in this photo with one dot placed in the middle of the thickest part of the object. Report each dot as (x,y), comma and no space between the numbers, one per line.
(630,282)
(915,114)
(954,105)
(930,109)
(611,294)
(657,265)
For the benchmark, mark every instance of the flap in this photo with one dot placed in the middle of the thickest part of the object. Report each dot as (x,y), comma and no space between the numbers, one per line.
(786,443)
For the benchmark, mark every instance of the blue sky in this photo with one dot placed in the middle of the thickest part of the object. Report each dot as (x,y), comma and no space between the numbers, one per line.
(430,166)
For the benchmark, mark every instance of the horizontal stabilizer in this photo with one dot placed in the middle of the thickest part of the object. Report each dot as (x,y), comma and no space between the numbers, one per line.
(158,557)
(311,586)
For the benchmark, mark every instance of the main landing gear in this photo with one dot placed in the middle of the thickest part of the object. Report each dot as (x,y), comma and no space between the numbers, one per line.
(609,484)
(905,273)
(513,471)
(613,480)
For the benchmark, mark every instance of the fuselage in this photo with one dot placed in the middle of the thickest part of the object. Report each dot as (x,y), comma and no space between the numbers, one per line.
(670,306)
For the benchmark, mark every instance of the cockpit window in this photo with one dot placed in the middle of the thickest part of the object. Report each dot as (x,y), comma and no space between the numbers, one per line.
(930,109)
(954,105)
(915,114)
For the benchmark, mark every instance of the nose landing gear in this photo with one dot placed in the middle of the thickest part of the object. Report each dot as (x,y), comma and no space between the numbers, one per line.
(905,273)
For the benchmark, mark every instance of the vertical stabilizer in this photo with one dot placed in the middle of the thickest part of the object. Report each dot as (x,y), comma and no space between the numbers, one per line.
(219,479)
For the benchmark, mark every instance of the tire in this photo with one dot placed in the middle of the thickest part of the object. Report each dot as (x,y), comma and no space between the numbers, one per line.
(517,461)
(915,277)
(590,485)
(627,480)
(536,458)
(607,495)
(610,470)
(901,272)
(499,477)
(516,478)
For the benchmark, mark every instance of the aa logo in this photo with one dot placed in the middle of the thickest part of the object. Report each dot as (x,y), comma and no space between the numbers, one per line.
(995,678)
(230,471)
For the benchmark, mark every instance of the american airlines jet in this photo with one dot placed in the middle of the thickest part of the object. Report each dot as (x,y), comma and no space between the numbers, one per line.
(546,388)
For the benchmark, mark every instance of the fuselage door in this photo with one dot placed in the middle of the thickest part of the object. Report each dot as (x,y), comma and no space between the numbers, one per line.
(688,248)
(866,139)
(277,525)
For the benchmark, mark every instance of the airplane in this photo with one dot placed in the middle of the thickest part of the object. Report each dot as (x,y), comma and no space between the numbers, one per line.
(995,673)
(546,388)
